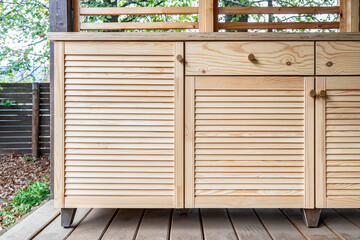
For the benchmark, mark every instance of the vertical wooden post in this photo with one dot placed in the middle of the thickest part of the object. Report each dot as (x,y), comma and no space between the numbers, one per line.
(76,5)
(60,21)
(349,15)
(208,15)
(35,119)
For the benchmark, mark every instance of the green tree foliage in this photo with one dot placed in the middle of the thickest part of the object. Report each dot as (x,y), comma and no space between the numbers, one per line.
(24,26)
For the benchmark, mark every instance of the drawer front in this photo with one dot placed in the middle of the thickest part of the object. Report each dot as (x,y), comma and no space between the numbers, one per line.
(249,142)
(122,117)
(338,141)
(249,58)
(338,58)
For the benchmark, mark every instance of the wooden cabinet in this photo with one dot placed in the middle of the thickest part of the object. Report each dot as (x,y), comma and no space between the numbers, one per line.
(262,128)
(249,142)
(338,142)
(118,117)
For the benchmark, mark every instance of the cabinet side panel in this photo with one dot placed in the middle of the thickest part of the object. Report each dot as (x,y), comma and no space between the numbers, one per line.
(59,116)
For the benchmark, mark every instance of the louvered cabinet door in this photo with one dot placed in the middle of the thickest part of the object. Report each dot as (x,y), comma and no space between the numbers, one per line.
(118,117)
(338,142)
(249,142)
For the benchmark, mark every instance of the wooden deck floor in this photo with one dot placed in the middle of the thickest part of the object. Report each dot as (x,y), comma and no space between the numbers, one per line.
(208,224)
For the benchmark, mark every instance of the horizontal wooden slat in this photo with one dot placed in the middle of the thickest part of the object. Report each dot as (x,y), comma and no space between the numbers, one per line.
(278,10)
(139,25)
(279,25)
(138,10)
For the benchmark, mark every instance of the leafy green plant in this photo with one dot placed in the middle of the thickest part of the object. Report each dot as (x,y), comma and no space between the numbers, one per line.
(7,102)
(28,159)
(23,202)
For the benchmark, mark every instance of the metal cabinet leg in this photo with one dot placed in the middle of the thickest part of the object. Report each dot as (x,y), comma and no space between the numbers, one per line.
(311,217)
(67,216)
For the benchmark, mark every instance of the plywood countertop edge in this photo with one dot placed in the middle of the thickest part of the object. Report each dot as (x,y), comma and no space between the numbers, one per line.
(217,36)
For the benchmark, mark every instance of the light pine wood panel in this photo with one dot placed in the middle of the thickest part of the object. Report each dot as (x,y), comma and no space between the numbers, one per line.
(231,58)
(338,58)
(122,117)
(253,158)
(338,157)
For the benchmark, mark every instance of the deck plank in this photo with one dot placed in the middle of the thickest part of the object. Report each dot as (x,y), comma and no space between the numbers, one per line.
(353,215)
(54,231)
(340,225)
(320,233)
(186,226)
(278,225)
(93,225)
(155,225)
(33,223)
(247,225)
(125,224)
(216,225)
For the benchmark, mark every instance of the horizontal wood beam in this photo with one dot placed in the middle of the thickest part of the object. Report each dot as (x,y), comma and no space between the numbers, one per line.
(139,25)
(279,25)
(138,10)
(278,10)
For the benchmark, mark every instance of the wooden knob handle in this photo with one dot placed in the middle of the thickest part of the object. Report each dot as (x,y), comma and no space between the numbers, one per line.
(179,57)
(322,93)
(251,57)
(312,93)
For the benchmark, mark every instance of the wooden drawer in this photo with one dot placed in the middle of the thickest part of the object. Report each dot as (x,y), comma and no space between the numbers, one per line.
(338,58)
(232,58)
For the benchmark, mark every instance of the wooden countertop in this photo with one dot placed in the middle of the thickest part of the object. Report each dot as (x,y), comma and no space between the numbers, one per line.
(217,36)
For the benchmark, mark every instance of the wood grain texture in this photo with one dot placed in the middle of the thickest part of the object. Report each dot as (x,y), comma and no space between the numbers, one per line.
(319,233)
(59,125)
(155,224)
(125,224)
(216,225)
(94,225)
(186,226)
(234,156)
(339,225)
(53,231)
(215,36)
(277,224)
(138,10)
(247,225)
(136,120)
(343,56)
(231,58)
(279,25)
(278,10)
(139,25)
(338,154)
